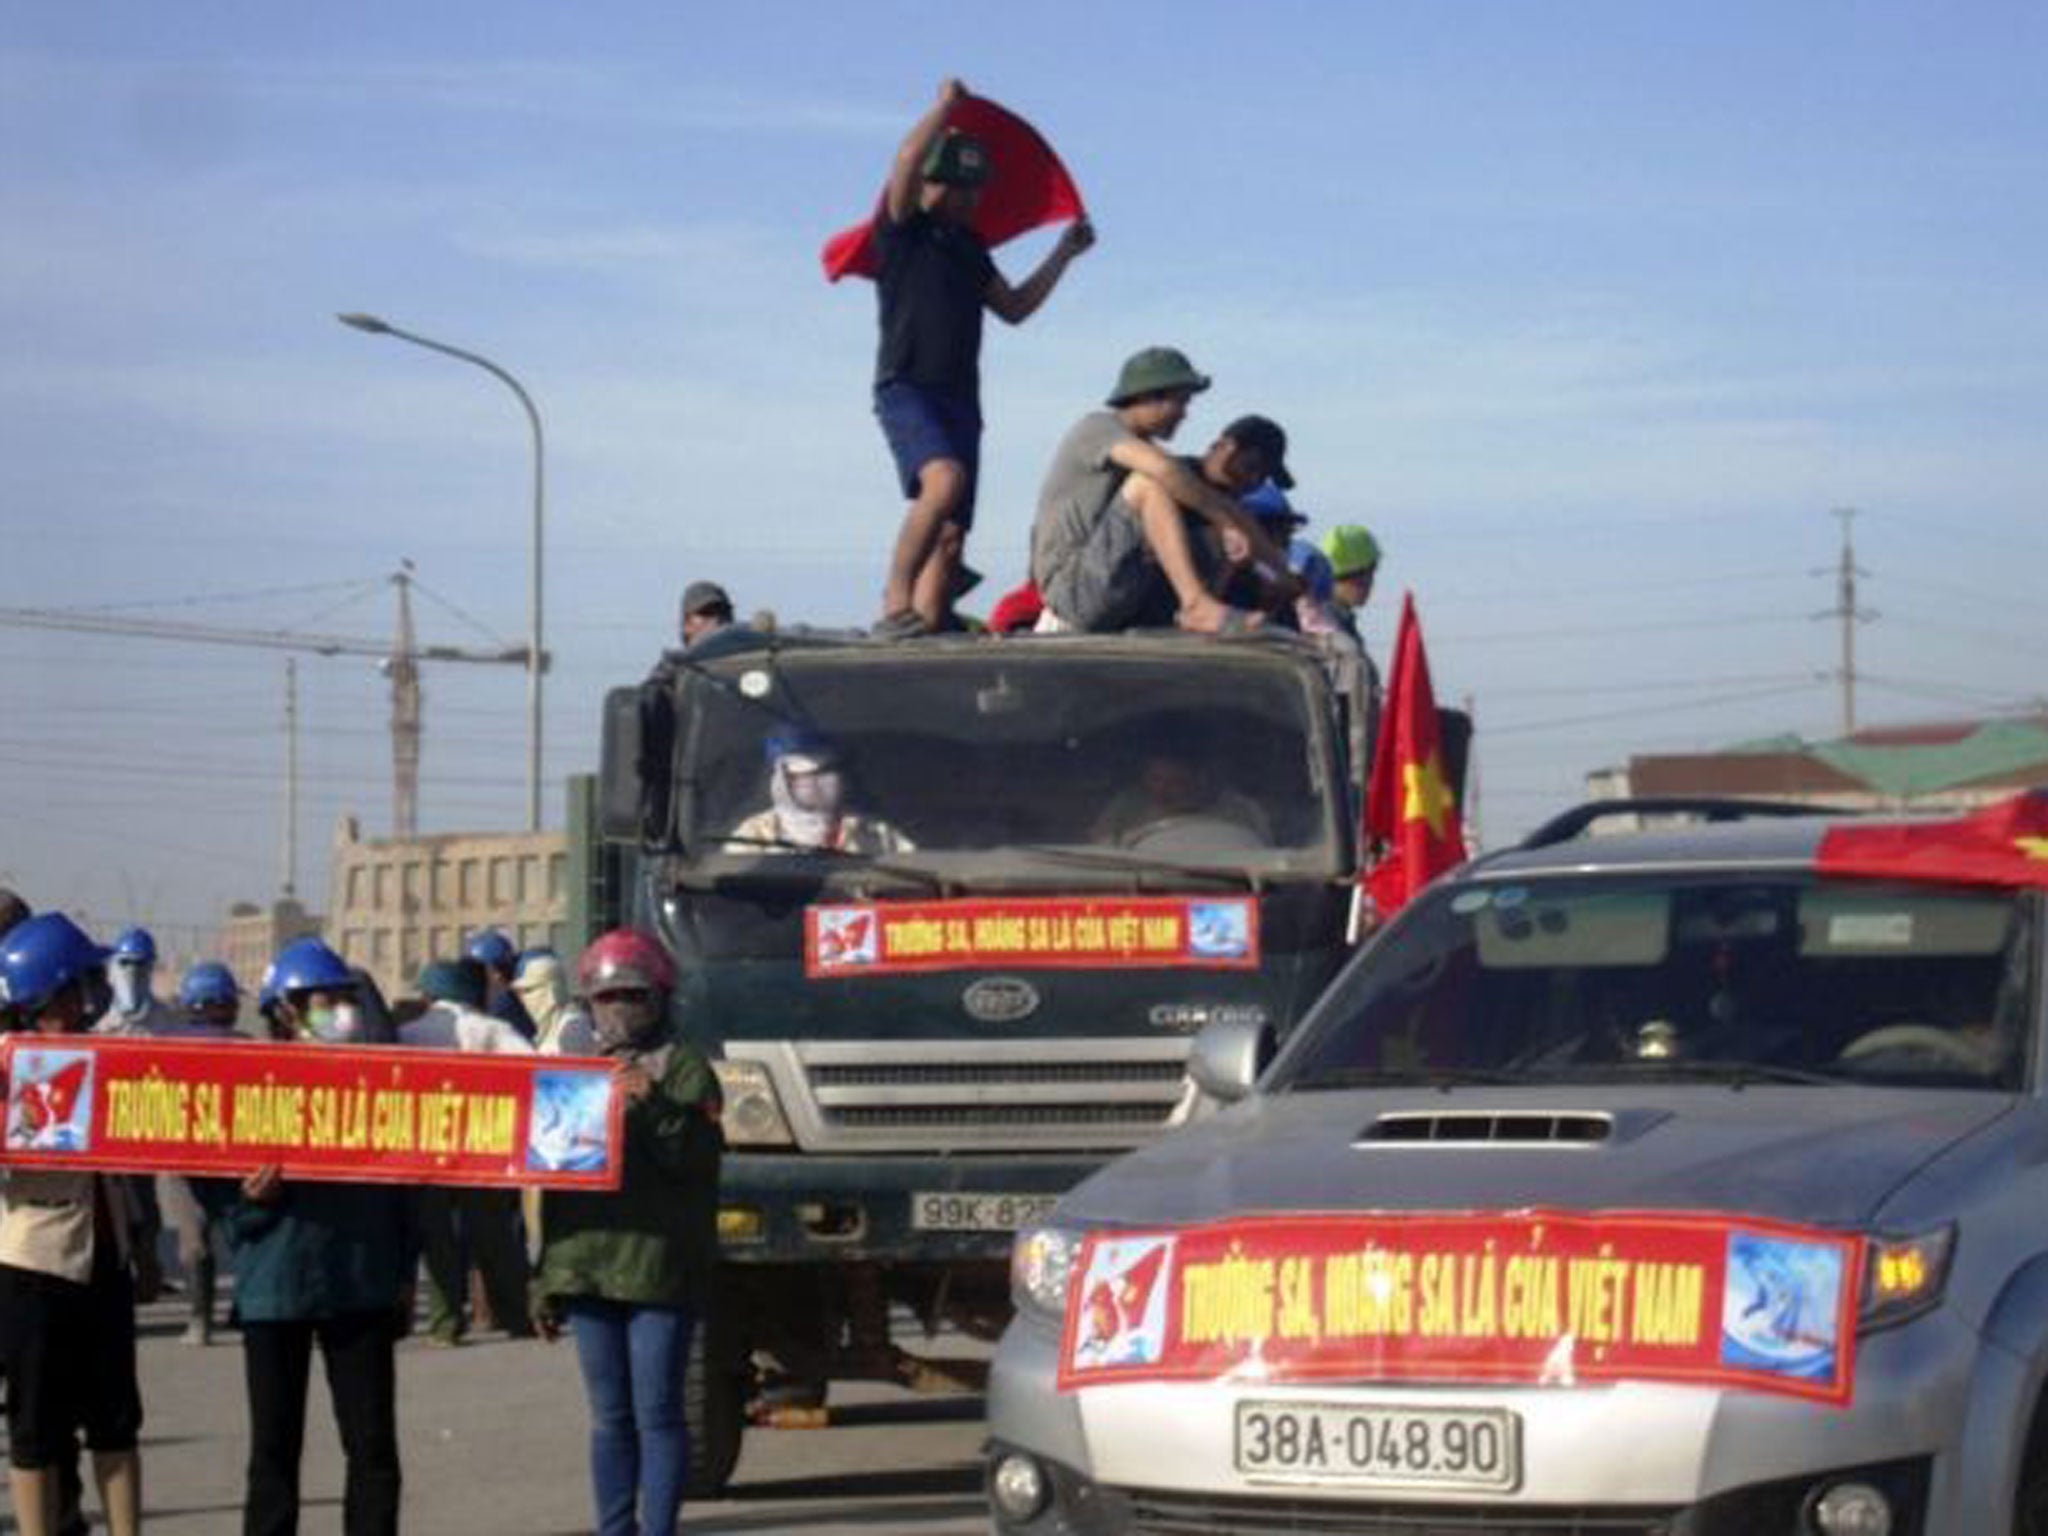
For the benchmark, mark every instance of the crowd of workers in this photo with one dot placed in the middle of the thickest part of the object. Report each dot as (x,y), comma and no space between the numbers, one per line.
(332,1265)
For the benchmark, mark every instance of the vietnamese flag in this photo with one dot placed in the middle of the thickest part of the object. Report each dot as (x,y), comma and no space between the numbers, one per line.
(1413,829)
(1027,187)
(2003,844)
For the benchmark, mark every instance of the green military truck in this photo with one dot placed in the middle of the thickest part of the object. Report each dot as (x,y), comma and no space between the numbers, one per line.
(1069,854)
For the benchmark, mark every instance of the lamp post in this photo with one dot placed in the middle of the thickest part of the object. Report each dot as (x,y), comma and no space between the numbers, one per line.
(535,659)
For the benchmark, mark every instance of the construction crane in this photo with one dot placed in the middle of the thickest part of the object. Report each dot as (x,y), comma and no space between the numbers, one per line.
(398,658)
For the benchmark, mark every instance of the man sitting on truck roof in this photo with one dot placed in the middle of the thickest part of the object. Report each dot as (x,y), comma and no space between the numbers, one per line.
(1111,536)
(807,806)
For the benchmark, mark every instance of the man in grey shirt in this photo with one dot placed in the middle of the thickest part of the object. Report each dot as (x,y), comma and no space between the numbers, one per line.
(1112,523)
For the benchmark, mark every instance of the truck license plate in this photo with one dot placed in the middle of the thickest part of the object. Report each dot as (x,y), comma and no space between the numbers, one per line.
(958,1211)
(1381,1447)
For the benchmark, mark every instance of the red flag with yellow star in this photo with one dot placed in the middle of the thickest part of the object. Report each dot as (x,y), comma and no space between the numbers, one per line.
(1413,830)
(2003,844)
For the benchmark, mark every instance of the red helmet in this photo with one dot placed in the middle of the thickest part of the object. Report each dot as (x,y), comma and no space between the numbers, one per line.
(623,958)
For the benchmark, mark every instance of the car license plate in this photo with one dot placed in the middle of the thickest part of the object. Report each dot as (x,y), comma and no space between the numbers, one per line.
(959,1211)
(1382,1447)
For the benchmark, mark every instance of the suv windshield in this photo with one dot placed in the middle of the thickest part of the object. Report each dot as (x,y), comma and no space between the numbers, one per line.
(1176,758)
(1786,978)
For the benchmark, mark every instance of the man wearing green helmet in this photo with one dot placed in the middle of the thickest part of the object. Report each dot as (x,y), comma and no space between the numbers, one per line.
(1354,556)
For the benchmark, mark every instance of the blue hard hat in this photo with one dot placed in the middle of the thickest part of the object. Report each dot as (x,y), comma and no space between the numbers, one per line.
(1313,567)
(208,984)
(491,947)
(307,965)
(1269,504)
(799,741)
(42,955)
(135,944)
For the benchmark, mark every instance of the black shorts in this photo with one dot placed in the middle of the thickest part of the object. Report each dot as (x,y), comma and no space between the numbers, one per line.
(70,1352)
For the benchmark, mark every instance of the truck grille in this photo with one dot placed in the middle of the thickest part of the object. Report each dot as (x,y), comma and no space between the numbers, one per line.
(1091,1095)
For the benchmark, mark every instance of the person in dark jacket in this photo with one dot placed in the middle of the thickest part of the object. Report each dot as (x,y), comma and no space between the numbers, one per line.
(627,1270)
(326,1264)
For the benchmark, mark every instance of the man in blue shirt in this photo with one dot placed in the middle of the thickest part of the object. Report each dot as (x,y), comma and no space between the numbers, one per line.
(936,278)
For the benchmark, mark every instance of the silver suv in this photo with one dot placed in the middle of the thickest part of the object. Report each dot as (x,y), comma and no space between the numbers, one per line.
(1643,1183)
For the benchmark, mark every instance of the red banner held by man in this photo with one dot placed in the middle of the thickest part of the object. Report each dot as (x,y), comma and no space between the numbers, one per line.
(1027,188)
(2004,844)
(367,1115)
(1413,828)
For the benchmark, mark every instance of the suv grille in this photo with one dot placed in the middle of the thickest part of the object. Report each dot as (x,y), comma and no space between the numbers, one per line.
(1169,1514)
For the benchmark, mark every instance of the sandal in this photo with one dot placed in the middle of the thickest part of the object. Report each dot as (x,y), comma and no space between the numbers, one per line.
(903,624)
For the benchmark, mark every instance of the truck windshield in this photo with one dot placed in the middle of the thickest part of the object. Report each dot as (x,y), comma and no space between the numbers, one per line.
(1685,978)
(1007,746)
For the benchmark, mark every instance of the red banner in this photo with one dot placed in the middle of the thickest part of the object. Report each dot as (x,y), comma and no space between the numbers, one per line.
(1540,1297)
(370,1115)
(1033,933)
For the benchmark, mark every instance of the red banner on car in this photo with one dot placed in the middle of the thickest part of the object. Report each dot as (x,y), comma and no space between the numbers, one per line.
(375,1114)
(1032,933)
(1544,1298)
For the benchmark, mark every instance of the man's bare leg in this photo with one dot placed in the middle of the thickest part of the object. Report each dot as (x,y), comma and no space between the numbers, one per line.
(34,1494)
(1166,534)
(119,1474)
(932,596)
(941,483)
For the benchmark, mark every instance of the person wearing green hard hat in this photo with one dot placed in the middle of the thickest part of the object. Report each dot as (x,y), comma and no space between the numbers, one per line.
(936,277)
(1354,556)
(1115,535)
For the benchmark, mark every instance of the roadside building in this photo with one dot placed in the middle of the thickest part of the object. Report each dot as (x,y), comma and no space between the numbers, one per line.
(1955,765)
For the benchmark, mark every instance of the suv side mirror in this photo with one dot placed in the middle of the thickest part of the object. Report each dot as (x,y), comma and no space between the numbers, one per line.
(1227,1057)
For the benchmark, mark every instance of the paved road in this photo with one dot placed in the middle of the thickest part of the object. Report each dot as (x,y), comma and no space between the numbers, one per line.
(493,1437)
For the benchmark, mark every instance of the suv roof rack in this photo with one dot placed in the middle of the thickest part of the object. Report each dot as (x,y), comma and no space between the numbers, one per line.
(1563,828)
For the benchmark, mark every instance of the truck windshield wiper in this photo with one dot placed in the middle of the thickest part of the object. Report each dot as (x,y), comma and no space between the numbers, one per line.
(1122,860)
(796,871)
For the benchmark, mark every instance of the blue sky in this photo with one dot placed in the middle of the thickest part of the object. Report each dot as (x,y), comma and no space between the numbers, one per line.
(1591,311)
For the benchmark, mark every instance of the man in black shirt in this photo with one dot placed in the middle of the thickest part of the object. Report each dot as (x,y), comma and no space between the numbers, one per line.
(936,278)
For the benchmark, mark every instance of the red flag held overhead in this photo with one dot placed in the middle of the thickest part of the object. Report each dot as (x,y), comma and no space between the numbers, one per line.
(1027,188)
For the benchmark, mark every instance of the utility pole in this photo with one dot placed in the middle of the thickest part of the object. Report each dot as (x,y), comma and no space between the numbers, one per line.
(403,669)
(291,778)
(1848,615)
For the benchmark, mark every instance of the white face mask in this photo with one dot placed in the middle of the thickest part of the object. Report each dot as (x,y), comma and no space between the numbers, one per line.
(334,1026)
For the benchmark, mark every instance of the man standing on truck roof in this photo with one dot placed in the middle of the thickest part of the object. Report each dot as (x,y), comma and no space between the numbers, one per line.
(1111,538)
(936,278)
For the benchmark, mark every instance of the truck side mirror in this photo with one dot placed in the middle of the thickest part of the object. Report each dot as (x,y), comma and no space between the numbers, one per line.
(634,774)
(1227,1057)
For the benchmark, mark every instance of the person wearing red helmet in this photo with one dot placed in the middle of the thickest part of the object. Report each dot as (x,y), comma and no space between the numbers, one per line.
(627,1269)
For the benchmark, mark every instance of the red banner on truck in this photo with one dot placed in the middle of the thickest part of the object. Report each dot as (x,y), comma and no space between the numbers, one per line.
(1032,933)
(1539,1297)
(363,1115)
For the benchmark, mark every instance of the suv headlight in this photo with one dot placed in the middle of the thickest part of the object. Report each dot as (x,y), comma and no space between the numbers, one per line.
(1904,1276)
(1042,1266)
(753,1114)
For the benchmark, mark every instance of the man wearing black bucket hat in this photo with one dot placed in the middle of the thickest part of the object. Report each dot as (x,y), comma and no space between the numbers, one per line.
(1112,543)
(936,278)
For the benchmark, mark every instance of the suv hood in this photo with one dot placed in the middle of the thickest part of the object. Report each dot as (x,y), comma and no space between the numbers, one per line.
(1815,1156)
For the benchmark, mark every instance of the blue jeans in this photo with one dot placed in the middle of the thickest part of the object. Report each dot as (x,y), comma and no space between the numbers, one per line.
(632,1359)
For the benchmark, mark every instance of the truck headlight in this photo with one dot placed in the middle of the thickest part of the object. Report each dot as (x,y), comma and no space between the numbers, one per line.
(753,1114)
(1041,1266)
(1904,1276)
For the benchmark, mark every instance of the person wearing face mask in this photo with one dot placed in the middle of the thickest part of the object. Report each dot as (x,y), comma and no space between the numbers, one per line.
(562,1025)
(326,1264)
(131,974)
(807,806)
(66,1295)
(627,1270)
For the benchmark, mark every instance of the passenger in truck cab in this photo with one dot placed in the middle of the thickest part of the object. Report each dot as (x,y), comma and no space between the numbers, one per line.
(1178,797)
(807,806)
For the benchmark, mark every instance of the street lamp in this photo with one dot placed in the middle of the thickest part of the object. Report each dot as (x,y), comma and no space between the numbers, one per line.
(535,658)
